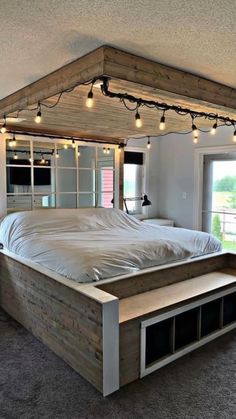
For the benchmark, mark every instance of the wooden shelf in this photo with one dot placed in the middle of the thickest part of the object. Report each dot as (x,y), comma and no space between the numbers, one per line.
(148,302)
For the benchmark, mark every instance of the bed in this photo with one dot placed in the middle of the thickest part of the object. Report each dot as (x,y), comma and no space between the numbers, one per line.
(81,281)
(97,243)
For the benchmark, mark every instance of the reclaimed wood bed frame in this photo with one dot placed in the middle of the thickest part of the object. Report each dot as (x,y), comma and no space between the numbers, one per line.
(96,327)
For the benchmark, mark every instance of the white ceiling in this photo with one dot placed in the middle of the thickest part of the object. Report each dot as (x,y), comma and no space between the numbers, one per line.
(37,37)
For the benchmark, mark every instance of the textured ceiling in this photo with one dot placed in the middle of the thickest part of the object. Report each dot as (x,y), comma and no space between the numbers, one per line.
(37,37)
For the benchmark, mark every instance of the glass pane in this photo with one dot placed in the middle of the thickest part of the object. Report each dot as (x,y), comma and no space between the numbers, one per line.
(86,200)
(44,153)
(105,180)
(106,154)
(44,201)
(65,157)
(19,202)
(17,152)
(44,180)
(66,180)
(133,180)
(18,179)
(87,157)
(66,201)
(86,180)
(105,200)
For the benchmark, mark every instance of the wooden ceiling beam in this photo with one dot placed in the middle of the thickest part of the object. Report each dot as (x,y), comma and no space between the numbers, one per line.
(126,66)
(62,133)
(79,71)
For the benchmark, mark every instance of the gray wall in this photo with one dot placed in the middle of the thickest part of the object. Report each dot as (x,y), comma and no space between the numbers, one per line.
(175,183)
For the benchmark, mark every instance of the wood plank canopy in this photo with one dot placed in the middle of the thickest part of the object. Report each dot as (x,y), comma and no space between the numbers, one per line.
(108,119)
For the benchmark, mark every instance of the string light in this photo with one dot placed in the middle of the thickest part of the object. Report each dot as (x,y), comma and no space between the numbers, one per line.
(138,120)
(12,142)
(234,136)
(65,146)
(89,100)
(78,152)
(4,126)
(108,150)
(213,130)
(15,157)
(42,159)
(162,124)
(194,128)
(57,155)
(73,144)
(104,150)
(30,159)
(148,143)
(38,117)
(195,140)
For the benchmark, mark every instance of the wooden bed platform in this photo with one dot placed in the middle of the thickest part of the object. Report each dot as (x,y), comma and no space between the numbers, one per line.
(116,331)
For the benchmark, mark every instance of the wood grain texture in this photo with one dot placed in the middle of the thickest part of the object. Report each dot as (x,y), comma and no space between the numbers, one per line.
(108,119)
(67,321)
(123,288)
(158,299)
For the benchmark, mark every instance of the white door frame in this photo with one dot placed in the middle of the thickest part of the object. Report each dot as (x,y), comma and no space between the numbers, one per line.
(199,154)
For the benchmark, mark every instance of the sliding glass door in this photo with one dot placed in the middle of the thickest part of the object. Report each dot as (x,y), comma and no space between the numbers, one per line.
(219,198)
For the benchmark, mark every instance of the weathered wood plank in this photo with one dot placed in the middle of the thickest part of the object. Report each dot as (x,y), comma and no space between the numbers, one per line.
(67,321)
(137,69)
(148,281)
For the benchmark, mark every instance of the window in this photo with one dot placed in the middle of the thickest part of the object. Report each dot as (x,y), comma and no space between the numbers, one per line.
(219,198)
(134,180)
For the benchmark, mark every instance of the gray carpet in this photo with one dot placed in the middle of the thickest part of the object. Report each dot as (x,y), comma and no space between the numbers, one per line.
(34,383)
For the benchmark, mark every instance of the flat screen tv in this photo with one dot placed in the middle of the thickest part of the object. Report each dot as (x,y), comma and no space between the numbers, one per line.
(22,175)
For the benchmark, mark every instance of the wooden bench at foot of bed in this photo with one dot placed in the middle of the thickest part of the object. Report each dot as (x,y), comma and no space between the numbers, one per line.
(119,330)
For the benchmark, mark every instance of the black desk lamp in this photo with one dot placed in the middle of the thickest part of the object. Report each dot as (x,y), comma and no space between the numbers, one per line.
(146,201)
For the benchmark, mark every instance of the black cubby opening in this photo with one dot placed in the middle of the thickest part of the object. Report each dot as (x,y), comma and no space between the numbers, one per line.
(210,317)
(158,340)
(229,311)
(186,328)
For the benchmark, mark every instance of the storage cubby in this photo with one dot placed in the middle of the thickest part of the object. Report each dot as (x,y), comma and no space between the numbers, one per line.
(186,328)
(159,338)
(229,309)
(183,329)
(211,317)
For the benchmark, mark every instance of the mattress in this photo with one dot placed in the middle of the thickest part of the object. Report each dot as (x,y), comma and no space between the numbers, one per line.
(97,243)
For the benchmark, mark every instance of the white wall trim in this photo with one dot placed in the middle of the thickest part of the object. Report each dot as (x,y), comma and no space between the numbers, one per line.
(199,154)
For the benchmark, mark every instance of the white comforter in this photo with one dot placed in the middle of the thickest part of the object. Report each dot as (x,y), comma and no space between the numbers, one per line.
(91,244)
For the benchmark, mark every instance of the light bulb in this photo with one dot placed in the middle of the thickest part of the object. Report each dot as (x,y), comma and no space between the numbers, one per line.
(213,130)
(162,123)
(65,146)
(10,143)
(148,144)
(195,130)
(57,155)
(38,117)
(104,150)
(15,157)
(195,140)
(3,127)
(89,100)
(30,160)
(78,153)
(73,144)
(234,137)
(138,120)
(13,141)
(42,160)
(108,151)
